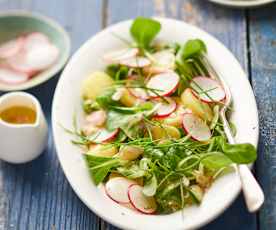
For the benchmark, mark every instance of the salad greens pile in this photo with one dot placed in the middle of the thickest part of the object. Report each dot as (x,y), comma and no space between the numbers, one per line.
(175,167)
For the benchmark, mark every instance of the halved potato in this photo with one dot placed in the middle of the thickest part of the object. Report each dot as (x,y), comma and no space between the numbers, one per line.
(166,131)
(190,101)
(127,99)
(95,84)
(102,150)
(130,152)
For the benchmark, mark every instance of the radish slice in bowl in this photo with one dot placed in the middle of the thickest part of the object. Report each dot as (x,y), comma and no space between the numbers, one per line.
(139,93)
(163,84)
(119,55)
(117,189)
(10,48)
(35,59)
(196,127)
(163,61)
(166,109)
(136,62)
(104,135)
(136,92)
(35,38)
(207,89)
(142,203)
(12,77)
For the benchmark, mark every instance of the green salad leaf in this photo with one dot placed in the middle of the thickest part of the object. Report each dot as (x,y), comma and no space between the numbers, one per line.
(216,161)
(240,153)
(99,167)
(143,30)
(192,48)
(105,99)
(150,186)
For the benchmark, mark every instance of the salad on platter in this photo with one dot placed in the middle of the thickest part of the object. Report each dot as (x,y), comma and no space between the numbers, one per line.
(151,134)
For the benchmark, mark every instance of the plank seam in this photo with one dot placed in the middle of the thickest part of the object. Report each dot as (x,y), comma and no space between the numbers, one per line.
(249,67)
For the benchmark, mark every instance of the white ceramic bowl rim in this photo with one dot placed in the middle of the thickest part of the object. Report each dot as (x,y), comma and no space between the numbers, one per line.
(242,3)
(175,219)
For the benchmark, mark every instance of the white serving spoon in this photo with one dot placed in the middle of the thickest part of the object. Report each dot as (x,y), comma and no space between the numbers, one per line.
(253,193)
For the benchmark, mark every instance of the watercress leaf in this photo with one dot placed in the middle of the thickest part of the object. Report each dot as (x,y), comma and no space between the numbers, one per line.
(99,167)
(117,72)
(134,109)
(132,172)
(116,119)
(105,99)
(169,188)
(240,153)
(216,161)
(193,47)
(143,30)
(153,153)
(150,186)
(90,106)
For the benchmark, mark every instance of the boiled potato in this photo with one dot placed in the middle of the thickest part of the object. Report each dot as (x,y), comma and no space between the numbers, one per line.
(95,84)
(102,150)
(127,99)
(173,120)
(130,152)
(190,101)
(166,131)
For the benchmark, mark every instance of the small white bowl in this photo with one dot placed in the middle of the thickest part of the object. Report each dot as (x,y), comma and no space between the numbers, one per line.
(67,101)
(14,23)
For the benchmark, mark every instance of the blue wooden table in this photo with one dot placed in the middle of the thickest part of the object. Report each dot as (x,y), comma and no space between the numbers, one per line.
(37,195)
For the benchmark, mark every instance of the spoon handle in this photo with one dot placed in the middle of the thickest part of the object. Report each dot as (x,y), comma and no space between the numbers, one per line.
(252,191)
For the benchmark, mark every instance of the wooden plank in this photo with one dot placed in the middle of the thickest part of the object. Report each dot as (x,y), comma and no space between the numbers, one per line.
(37,195)
(263,48)
(229,26)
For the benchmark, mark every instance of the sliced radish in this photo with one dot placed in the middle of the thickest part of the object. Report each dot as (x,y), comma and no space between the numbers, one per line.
(34,59)
(136,62)
(139,93)
(136,92)
(104,135)
(12,77)
(196,127)
(117,189)
(164,84)
(207,89)
(163,61)
(119,55)
(96,118)
(35,39)
(166,109)
(141,202)
(10,48)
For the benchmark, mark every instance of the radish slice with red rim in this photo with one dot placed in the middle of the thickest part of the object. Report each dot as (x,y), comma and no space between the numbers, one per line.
(165,109)
(12,77)
(139,93)
(117,189)
(196,127)
(142,203)
(104,135)
(136,62)
(163,61)
(119,55)
(35,39)
(12,47)
(163,84)
(207,89)
(34,59)
(136,92)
